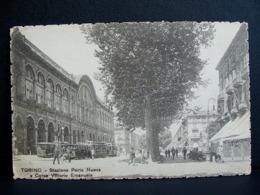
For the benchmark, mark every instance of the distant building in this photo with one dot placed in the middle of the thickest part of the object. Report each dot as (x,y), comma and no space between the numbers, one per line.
(192,129)
(124,140)
(179,133)
(233,99)
(49,105)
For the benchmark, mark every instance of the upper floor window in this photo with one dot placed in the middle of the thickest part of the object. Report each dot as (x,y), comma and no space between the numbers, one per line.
(49,93)
(40,89)
(29,82)
(65,104)
(58,97)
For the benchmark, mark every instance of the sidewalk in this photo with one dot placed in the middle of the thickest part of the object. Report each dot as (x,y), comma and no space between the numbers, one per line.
(117,167)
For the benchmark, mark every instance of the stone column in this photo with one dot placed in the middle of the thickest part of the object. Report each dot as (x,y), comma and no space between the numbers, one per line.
(25,140)
(46,135)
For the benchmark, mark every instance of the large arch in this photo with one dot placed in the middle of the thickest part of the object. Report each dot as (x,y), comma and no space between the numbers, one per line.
(41,137)
(31,140)
(82,136)
(86,81)
(19,136)
(79,138)
(74,137)
(51,132)
(66,134)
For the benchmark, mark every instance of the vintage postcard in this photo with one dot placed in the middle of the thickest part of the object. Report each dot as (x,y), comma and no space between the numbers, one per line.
(130,100)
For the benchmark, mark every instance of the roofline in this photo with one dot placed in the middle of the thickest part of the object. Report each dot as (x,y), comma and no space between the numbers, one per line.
(227,52)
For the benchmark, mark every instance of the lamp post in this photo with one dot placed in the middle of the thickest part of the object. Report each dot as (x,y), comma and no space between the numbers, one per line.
(207,149)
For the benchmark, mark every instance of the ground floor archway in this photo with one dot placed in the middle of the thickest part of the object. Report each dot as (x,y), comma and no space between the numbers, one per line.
(19,135)
(74,137)
(66,135)
(41,137)
(51,133)
(31,139)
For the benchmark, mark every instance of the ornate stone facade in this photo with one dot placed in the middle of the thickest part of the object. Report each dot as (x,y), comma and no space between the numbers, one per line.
(48,104)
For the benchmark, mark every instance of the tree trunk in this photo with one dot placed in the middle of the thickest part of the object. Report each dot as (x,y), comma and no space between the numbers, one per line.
(148,124)
(151,133)
(156,152)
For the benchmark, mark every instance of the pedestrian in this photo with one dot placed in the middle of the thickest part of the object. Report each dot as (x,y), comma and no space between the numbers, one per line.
(213,151)
(176,152)
(92,153)
(184,151)
(166,153)
(169,153)
(69,154)
(173,153)
(56,154)
(220,153)
(132,157)
(143,156)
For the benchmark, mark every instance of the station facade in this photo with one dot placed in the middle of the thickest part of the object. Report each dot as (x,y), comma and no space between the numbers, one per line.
(49,105)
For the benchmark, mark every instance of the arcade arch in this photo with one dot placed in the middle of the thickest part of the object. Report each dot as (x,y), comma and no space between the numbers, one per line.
(31,140)
(19,136)
(41,137)
(51,132)
(66,134)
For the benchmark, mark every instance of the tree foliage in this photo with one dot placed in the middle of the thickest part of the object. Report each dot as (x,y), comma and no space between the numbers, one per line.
(165,138)
(213,128)
(159,60)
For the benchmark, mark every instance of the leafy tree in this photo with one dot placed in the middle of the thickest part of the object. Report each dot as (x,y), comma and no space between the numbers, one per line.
(213,128)
(149,70)
(165,138)
(143,143)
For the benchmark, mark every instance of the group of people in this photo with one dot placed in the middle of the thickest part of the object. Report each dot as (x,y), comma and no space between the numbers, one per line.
(216,153)
(143,155)
(63,153)
(66,154)
(174,152)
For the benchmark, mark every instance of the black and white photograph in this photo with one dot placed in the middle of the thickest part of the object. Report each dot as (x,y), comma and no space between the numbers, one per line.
(130,100)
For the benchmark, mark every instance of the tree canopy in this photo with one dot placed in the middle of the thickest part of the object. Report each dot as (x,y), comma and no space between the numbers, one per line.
(158,60)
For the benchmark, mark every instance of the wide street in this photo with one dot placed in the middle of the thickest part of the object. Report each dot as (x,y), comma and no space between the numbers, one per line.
(118,167)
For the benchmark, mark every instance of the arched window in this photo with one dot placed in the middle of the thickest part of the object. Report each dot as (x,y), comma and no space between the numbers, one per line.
(65,102)
(84,97)
(29,82)
(49,93)
(79,140)
(40,88)
(82,136)
(58,96)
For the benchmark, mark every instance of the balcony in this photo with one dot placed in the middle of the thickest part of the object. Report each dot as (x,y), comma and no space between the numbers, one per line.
(242,106)
(237,82)
(195,135)
(245,73)
(229,89)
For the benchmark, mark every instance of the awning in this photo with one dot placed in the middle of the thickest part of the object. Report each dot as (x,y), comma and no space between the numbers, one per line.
(224,132)
(244,133)
(237,129)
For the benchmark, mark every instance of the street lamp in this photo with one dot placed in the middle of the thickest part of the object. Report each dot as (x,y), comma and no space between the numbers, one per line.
(211,99)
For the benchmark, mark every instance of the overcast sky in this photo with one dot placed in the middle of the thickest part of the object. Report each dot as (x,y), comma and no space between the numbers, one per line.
(66,45)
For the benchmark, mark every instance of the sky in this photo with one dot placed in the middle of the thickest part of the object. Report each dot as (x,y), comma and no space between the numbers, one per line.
(66,45)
